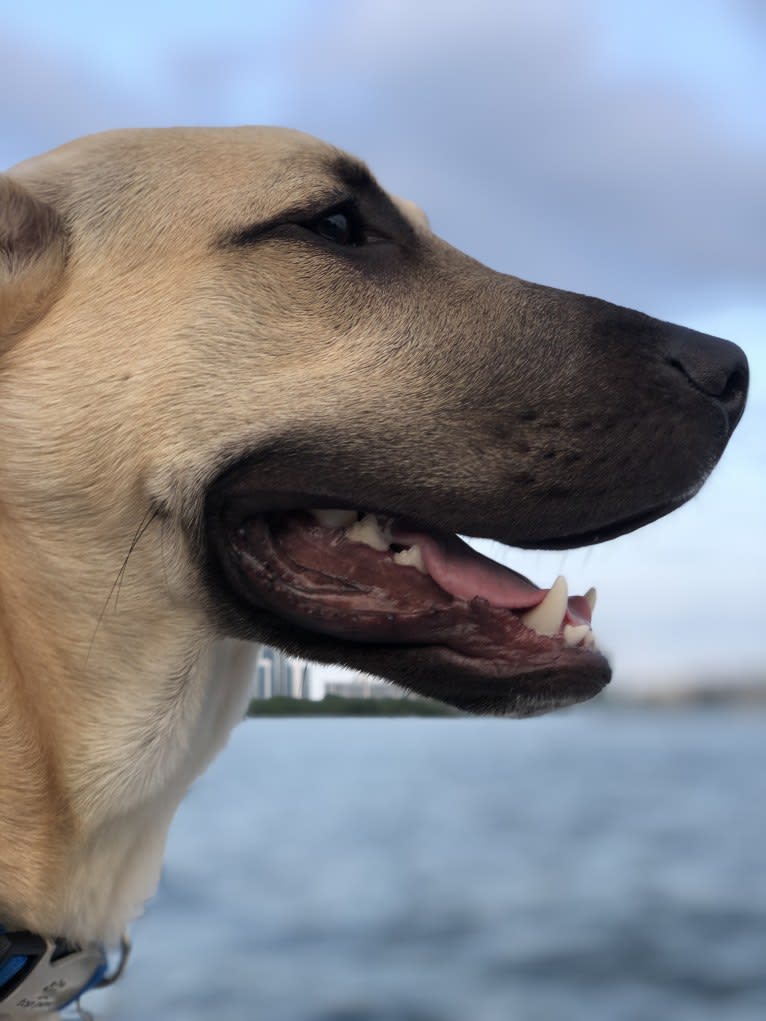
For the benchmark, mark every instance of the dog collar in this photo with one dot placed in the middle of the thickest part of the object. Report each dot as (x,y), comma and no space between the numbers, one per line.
(40,975)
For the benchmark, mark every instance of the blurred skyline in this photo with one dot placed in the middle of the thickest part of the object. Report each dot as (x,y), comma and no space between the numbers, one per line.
(613,149)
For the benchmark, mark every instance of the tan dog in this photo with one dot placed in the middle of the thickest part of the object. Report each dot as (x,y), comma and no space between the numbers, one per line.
(203,334)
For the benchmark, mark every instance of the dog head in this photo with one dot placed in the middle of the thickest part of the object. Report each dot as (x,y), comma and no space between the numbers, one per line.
(232,355)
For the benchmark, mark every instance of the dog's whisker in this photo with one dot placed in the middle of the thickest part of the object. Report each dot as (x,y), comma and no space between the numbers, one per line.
(163,521)
(147,519)
(150,515)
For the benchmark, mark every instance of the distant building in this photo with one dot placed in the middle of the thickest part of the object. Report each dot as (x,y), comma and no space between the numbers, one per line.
(278,675)
(264,673)
(364,686)
(305,680)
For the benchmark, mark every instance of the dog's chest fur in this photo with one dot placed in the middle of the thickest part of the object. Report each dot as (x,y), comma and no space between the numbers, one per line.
(118,867)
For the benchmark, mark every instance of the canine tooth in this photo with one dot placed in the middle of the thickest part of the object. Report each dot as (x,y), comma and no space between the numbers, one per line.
(332,517)
(411,557)
(368,531)
(574,633)
(590,641)
(590,599)
(546,618)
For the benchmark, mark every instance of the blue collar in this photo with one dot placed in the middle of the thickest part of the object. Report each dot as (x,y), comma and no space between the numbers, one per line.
(42,974)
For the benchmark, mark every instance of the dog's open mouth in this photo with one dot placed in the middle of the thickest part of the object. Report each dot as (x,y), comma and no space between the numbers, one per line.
(465,629)
(375,579)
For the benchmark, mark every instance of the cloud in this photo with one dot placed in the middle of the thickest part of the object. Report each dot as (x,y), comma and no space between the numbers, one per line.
(511,124)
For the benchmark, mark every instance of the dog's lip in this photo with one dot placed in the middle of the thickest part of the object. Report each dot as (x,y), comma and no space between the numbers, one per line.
(242,501)
(578,674)
(609,531)
(470,683)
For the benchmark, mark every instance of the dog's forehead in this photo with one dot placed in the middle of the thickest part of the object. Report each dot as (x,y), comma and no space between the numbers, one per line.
(188,178)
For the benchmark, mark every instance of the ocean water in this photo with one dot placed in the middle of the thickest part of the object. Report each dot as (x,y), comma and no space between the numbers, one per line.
(599,865)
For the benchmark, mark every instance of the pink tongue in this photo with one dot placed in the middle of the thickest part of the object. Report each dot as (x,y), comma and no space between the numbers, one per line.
(464,573)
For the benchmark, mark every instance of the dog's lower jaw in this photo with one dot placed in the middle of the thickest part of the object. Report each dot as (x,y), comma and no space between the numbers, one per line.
(112,861)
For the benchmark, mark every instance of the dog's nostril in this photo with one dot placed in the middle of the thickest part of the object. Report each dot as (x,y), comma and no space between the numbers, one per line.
(734,396)
(716,367)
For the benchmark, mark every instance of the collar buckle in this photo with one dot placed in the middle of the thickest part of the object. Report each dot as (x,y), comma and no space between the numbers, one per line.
(43,975)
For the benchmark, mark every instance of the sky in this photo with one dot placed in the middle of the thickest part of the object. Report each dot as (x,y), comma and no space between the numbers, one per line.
(611,148)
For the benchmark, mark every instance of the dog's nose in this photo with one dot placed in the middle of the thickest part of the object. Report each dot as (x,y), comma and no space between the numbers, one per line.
(716,367)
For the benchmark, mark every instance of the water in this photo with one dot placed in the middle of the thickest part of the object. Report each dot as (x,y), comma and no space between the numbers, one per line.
(595,865)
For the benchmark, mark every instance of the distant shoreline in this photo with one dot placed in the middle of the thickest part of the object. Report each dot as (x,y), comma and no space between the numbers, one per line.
(723,697)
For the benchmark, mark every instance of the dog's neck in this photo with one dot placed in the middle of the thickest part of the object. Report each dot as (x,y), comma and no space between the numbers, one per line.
(119,864)
(96,762)
(79,862)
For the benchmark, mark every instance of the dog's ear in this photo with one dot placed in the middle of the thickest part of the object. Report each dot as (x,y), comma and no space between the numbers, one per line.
(32,258)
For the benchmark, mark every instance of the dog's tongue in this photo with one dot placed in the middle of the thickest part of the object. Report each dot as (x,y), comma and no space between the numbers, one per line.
(466,574)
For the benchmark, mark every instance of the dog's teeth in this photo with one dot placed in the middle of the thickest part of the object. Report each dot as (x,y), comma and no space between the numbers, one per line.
(411,557)
(546,618)
(369,532)
(574,634)
(332,517)
(590,640)
(590,599)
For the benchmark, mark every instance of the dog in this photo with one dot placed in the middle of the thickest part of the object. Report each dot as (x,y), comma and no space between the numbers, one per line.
(247,396)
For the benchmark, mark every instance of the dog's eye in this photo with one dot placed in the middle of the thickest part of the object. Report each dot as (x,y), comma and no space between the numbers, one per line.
(341,227)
